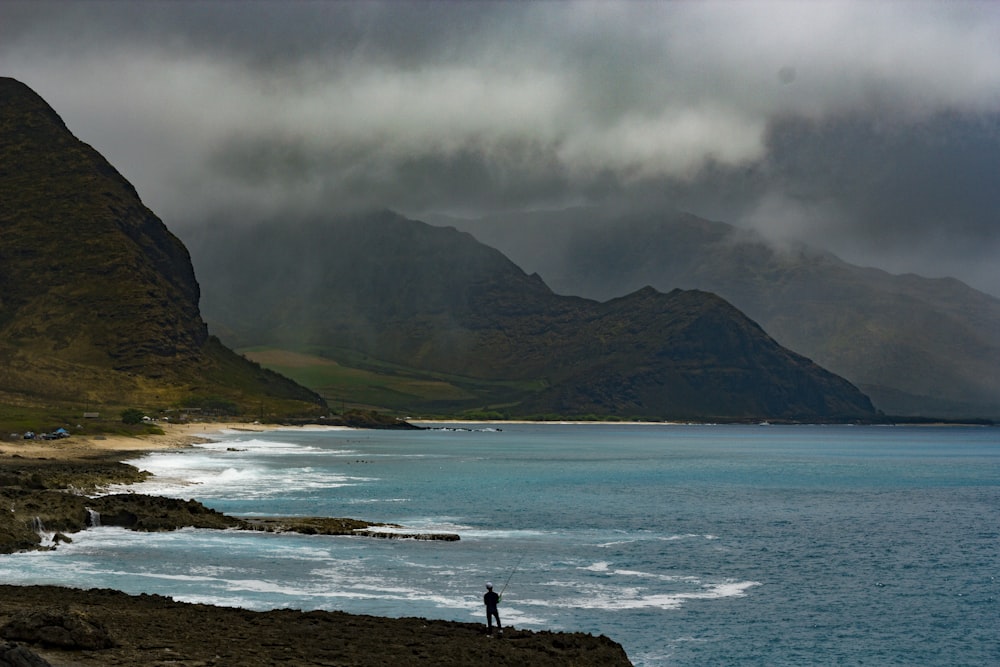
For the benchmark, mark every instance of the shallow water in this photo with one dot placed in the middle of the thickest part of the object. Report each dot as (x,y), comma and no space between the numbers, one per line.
(737,545)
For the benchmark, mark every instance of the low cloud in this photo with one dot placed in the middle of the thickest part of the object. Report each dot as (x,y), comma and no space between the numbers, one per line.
(760,113)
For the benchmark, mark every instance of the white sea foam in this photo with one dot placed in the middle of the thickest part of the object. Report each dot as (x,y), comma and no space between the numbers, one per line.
(685,536)
(604,567)
(619,597)
(367,501)
(257,446)
(270,587)
(468,532)
(246,473)
(612,592)
(427,524)
(214,571)
(616,543)
(600,566)
(160,575)
(430,524)
(653,575)
(227,601)
(631,539)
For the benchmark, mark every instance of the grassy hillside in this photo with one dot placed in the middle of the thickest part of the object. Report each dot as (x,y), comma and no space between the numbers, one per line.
(98,300)
(359,381)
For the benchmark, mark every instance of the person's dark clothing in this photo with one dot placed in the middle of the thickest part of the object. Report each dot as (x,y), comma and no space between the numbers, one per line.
(491,600)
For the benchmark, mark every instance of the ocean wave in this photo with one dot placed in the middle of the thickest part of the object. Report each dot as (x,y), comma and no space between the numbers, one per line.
(369,501)
(225,477)
(620,598)
(227,601)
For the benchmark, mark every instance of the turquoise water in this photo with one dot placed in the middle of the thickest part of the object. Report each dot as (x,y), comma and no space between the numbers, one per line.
(690,545)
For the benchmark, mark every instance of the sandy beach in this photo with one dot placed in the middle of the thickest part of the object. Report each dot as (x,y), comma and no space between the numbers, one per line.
(175,436)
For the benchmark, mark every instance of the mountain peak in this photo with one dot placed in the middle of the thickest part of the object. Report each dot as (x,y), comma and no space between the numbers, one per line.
(17,97)
(917,346)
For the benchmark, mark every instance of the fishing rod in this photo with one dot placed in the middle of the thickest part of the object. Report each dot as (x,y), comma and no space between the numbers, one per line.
(511,576)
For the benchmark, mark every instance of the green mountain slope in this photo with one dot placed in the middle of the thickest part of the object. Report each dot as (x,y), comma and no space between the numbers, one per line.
(386,291)
(98,300)
(915,345)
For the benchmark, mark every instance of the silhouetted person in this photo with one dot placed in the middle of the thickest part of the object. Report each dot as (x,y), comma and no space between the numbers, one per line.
(491,600)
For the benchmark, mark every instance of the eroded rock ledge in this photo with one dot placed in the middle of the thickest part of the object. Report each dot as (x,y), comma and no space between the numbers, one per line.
(32,513)
(154,630)
(333,526)
(39,497)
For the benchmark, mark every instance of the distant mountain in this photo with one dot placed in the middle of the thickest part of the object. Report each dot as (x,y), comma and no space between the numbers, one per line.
(917,346)
(98,300)
(434,300)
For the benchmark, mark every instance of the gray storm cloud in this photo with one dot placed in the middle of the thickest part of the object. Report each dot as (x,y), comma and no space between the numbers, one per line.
(796,118)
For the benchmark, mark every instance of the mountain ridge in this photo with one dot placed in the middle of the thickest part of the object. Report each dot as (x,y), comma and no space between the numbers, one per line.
(436,300)
(98,299)
(918,346)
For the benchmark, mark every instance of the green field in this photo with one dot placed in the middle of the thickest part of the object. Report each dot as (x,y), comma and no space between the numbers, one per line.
(348,380)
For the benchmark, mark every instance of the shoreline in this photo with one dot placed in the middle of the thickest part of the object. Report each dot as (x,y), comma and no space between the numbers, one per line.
(175,436)
(111,628)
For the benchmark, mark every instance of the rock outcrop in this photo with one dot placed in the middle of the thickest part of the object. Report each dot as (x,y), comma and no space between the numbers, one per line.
(155,630)
(61,628)
(14,655)
(36,508)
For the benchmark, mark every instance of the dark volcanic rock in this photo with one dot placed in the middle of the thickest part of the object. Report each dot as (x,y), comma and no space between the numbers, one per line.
(150,629)
(334,526)
(12,655)
(307,525)
(60,628)
(151,513)
(394,535)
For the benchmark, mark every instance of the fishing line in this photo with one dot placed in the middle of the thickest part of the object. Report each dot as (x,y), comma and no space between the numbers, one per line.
(511,576)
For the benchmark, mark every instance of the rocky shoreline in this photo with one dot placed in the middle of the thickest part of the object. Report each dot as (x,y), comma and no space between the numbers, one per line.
(63,627)
(73,628)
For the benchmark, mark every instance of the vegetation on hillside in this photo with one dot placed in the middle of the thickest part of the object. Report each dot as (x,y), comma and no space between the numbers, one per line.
(427,319)
(98,300)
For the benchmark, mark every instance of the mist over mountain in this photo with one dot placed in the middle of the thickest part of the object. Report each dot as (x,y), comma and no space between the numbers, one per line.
(917,346)
(436,301)
(98,299)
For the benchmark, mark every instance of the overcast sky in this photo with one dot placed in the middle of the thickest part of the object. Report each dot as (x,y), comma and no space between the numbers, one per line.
(868,128)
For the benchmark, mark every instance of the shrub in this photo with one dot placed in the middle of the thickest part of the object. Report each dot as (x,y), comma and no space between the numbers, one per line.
(132,416)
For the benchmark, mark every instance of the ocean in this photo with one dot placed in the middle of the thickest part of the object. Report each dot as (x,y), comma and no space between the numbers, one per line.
(688,544)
